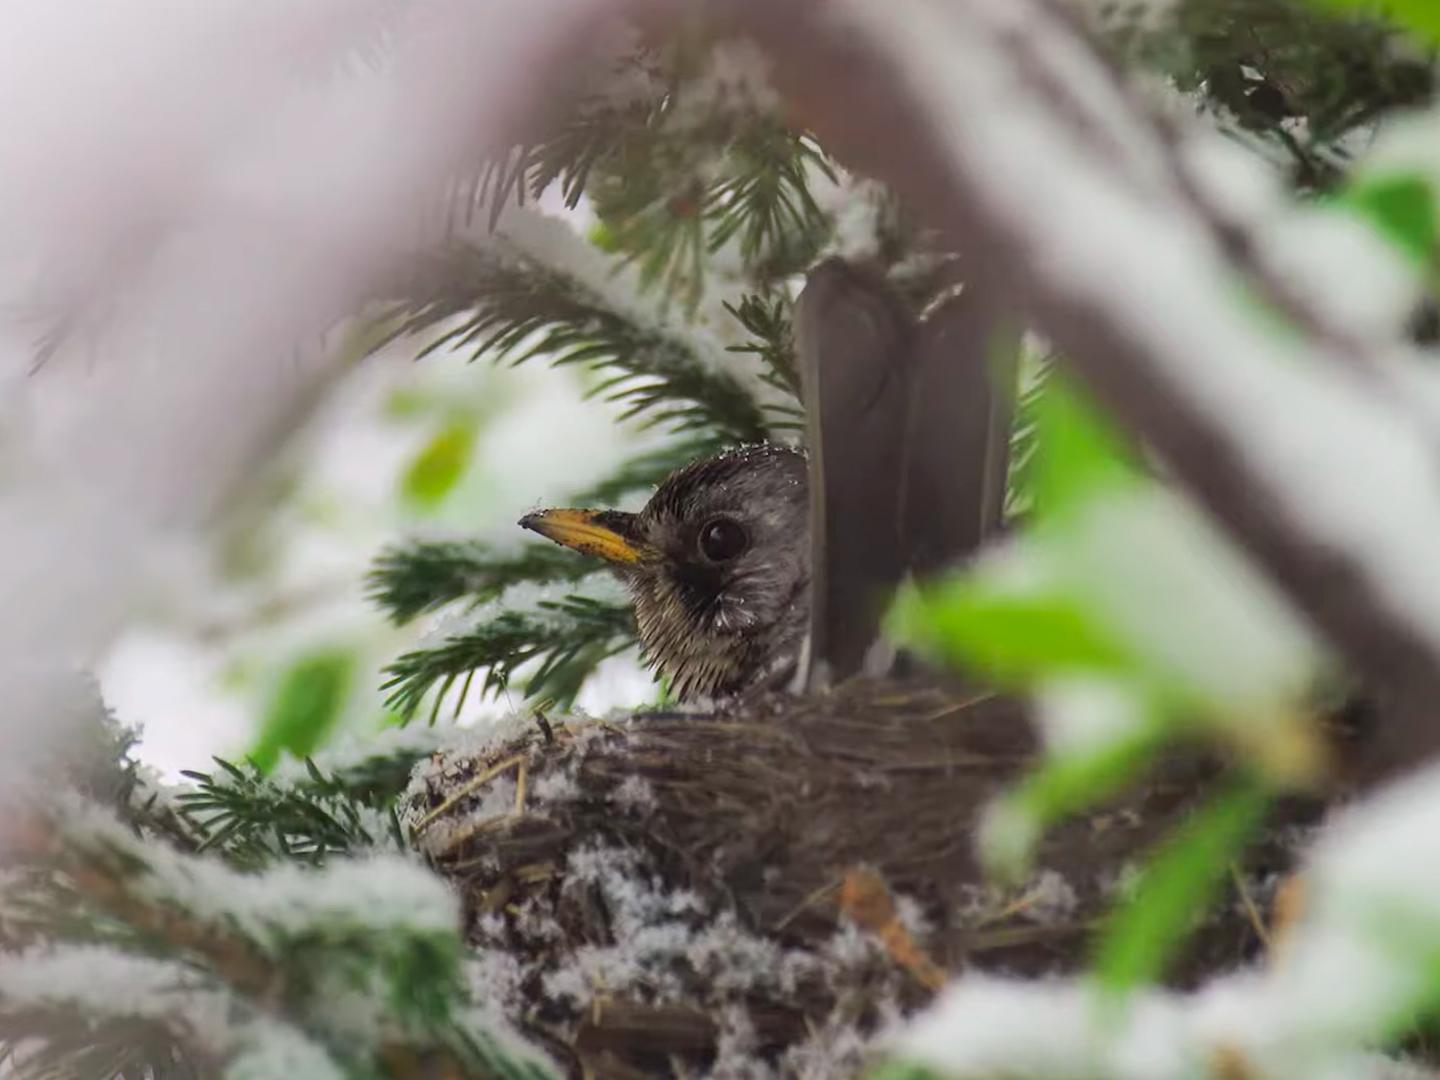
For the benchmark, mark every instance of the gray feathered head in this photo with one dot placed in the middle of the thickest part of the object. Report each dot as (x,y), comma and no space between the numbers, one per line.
(717,564)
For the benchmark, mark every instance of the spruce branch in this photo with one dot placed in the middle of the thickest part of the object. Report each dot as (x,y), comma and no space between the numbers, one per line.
(291,953)
(565,638)
(770,323)
(513,309)
(411,578)
(599,126)
(765,200)
(689,189)
(58,1041)
(251,821)
(1298,79)
(676,166)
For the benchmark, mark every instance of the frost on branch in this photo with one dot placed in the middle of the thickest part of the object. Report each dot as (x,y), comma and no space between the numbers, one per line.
(341,968)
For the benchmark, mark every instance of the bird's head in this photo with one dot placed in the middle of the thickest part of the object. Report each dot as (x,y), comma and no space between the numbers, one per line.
(717,565)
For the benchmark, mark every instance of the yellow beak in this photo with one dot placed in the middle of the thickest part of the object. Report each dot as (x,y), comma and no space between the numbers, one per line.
(606,534)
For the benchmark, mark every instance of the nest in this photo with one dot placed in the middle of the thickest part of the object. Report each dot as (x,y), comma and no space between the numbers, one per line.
(776,881)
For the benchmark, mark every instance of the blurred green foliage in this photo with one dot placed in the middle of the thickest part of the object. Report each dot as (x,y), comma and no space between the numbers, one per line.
(1420,17)
(1062,611)
(307,701)
(438,467)
(1401,207)
(1177,887)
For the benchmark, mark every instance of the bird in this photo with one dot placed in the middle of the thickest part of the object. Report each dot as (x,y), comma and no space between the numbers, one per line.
(717,565)
(767,566)
(789,814)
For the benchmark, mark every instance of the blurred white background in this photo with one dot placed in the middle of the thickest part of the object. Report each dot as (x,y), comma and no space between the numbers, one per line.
(286,579)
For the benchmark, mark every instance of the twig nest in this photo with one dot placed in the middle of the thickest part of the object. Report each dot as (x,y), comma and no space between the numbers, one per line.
(767,886)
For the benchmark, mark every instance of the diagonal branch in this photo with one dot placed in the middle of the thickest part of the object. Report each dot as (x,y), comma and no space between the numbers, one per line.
(997,120)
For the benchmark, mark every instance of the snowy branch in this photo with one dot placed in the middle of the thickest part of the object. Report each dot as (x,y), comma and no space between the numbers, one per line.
(226,201)
(1015,136)
(348,965)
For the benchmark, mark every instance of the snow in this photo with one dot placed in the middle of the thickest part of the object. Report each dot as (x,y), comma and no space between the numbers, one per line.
(854,206)
(1339,262)
(736,1047)
(1405,147)
(354,751)
(664,940)
(1348,975)
(736,79)
(495,977)
(1050,899)
(1078,715)
(274,1049)
(975,1029)
(201,201)
(985,1025)
(553,243)
(634,796)
(1006,836)
(556,787)
(1170,586)
(462,748)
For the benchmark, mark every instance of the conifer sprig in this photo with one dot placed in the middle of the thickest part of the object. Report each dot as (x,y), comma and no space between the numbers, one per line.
(564,638)
(252,821)
(676,168)
(586,136)
(504,305)
(159,964)
(769,322)
(411,578)
(766,203)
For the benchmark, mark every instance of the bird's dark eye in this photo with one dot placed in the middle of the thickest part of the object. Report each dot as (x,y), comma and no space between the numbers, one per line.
(721,539)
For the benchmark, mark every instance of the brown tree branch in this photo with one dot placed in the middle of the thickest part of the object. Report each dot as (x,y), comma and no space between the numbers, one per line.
(945,101)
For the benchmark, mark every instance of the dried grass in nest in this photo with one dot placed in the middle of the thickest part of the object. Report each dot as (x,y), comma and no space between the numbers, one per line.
(829,837)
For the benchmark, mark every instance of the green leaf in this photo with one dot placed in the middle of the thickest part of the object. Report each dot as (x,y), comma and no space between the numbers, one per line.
(438,467)
(1401,207)
(405,403)
(1176,887)
(305,705)
(1420,17)
(1078,452)
(603,237)
(1059,787)
(1012,637)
